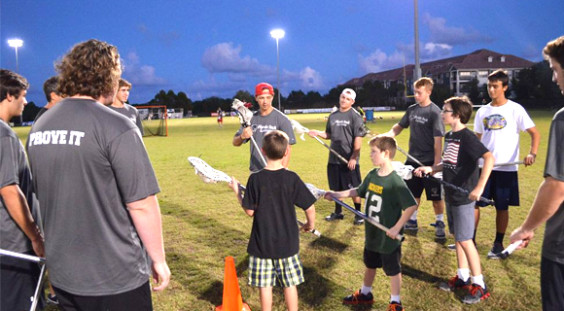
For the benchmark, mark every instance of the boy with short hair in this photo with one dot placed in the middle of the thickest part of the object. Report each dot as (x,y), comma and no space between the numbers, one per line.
(386,196)
(270,197)
(120,104)
(460,167)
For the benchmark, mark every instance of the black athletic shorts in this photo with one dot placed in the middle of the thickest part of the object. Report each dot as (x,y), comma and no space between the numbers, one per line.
(18,282)
(341,178)
(552,285)
(417,184)
(138,299)
(390,263)
(503,188)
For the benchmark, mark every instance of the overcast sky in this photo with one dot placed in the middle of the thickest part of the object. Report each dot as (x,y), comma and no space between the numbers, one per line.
(214,48)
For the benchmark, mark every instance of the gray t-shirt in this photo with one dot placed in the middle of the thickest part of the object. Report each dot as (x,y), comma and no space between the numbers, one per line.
(553,245)
(426,124)
(131,113)
(261,125)
(343,127)
(14,171)
(87,163)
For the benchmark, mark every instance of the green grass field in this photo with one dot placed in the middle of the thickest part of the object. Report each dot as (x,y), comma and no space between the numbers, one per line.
(203,223)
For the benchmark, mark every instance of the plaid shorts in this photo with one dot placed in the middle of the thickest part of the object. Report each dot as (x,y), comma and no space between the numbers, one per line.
(267,272)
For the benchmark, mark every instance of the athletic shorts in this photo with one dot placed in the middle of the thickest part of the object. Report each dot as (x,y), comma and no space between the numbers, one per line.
(433,189)
(461,221)
(341,178)
(552,284)
(136,299)
(18,282)
(267,272)
(503,188)
(390,263)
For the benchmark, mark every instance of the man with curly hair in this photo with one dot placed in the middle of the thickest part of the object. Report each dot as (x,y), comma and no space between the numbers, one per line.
(101,216)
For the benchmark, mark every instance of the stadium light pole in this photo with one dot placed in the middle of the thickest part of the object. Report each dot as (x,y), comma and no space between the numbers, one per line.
(417,71)
(16,43)
(278,34)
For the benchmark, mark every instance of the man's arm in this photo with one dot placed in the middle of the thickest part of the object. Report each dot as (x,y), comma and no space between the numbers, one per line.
(438,148)
(316,133)
(535,140)
(356,152)
(17,207)
(394,131)
(240,139)
(547,201)
(146,216)
(286,159)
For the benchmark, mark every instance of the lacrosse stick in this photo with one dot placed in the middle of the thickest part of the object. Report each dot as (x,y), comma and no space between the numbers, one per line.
(318,193)
(510,249)
(300,129)
(245,116)
(210,175)
(36,259)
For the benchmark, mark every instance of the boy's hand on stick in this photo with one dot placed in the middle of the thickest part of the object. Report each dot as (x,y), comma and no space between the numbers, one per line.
(329,195)
(422,171)
(234,185)
(393,232)
(476,194)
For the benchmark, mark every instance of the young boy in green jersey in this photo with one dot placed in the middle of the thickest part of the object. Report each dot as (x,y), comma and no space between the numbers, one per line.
(386,196)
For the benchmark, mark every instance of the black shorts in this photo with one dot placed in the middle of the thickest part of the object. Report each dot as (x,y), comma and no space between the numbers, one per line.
(503,188)
(390,263)
(18,282)
(136,299)
(433,189)
(341,178)
(552,285)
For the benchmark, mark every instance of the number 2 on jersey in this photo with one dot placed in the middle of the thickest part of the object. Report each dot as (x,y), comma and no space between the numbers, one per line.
(373,206)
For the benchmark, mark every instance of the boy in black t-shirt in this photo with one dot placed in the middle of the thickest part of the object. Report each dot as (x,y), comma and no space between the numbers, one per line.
(460,167)
(270,197)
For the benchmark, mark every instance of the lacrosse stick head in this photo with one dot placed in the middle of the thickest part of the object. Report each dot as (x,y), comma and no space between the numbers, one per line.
(298,128)
(208,174)
(317,193)
(404,171)
(245,115)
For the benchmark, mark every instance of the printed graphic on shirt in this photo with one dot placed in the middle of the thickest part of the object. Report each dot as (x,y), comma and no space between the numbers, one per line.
(263,128)
(450,157)
(373,204)
(494,122)
(56,137)
(419,119)
(341,123)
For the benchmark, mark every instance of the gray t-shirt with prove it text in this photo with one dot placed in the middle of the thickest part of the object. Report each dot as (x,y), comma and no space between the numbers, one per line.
(261,125)
(88,162)
(14,171)
(553,245)
(425,124)
(343,127)
(131,113)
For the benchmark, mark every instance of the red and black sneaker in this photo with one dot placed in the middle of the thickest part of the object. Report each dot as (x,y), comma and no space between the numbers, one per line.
(455,283)
(476,294)
(359,298)
(395,306)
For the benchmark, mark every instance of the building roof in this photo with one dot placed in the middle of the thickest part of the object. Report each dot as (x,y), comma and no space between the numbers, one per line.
(479,59)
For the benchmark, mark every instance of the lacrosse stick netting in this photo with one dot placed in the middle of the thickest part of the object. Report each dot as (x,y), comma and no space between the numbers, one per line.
(245,116)
(210,175)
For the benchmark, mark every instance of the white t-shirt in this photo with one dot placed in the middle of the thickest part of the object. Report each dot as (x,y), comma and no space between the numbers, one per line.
(500,127)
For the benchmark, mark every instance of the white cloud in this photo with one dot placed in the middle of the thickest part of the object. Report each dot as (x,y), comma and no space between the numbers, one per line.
(311,79)
(380,61)
(432,50)
(139,74)
(442,33)
(224,57)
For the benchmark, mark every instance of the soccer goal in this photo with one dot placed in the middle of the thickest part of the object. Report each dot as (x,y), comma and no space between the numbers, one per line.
(154,120)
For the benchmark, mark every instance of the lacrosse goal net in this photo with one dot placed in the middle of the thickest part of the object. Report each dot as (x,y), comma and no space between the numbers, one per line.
(154,120)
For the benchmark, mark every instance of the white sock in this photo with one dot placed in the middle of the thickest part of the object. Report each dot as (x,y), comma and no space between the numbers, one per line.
(395,298)
(463,274)
(414,215)
(440,217)
(479,280)
(365,290)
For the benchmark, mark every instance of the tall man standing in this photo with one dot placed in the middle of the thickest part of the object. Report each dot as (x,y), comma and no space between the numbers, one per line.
(102,216)
(266,119)
(549,202)
(425,144)
(18,230)
(120,104)
(498,125)
(345,130)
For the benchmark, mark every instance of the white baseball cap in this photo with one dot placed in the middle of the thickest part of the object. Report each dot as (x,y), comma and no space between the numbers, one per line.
(350,93)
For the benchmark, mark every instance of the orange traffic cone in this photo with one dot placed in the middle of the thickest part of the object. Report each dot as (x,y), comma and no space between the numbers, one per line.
(232,299)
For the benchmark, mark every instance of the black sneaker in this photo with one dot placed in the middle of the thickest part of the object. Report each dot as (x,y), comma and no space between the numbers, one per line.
(495,252)
(455,283)
(411,225)
(359,298)
(334,216)
(52,299)
(395,306)
(358,220)
(475,294)
(440,230)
